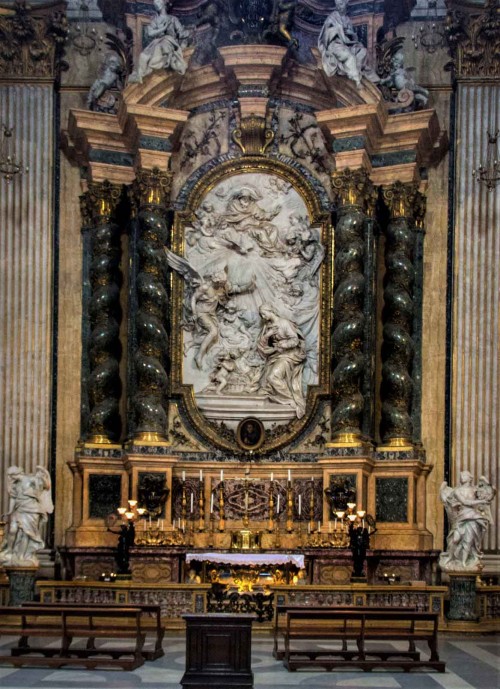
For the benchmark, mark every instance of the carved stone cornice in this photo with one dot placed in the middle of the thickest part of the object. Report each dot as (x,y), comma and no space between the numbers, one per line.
(32,41)
(403,200)
(352,188)
(152,188)
(474,40)
(98,204)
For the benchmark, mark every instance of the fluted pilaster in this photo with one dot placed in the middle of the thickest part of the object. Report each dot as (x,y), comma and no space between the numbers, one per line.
(353,190)
(151,191)
(98,206)
(398,315)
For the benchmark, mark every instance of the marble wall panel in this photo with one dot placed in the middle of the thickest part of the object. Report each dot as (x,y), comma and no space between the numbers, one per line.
(26,272)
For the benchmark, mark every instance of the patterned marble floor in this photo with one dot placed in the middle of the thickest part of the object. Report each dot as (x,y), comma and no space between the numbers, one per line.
(473,662)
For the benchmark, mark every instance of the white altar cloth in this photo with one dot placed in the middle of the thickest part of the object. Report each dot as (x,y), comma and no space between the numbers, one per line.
(248,558)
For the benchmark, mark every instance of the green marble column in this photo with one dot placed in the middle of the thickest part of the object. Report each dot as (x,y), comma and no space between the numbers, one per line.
(398,346)
(104,350)
(354,193)
(150,357)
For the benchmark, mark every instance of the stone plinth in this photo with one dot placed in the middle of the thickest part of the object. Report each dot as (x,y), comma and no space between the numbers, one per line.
(21,584)
(462,597)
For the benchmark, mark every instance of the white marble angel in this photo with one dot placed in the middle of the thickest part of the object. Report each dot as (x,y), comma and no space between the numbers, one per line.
(168,39)
(469,515)
(341,50)
(30,504)
(208,294)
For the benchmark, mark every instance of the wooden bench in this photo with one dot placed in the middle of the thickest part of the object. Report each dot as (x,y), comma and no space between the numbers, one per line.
(65,623)
(359,627)
(151,621)
(280,623)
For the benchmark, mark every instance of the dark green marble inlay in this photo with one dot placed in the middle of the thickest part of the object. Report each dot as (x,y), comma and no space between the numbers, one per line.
(394,158)
(154,143)
(111,157)
(105,492)
(348,143)
(391,500)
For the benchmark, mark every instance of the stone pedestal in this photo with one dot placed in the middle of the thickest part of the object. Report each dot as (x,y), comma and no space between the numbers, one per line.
(21,584)
(462,597)
(218,651)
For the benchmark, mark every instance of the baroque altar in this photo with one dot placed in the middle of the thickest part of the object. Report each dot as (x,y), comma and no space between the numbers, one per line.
(253,222)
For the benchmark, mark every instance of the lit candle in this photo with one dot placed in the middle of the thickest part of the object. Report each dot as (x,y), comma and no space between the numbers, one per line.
(272,476)
(192,501)
(289,475)
(300,505)
(211,503)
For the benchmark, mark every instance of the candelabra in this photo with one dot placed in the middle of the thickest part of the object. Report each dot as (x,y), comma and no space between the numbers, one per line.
(9,166)
(430,36)
(126,537)
(83,36)
(489,174)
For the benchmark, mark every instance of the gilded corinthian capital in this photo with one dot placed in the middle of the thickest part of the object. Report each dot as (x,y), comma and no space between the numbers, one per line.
(474,40)
(402,199)
(152,187)
(352,188)
(99,202)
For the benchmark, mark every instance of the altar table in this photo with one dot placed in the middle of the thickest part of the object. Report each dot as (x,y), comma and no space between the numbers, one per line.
(248,559)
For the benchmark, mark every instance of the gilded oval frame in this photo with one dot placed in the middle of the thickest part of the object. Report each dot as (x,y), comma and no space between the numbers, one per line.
(219,435)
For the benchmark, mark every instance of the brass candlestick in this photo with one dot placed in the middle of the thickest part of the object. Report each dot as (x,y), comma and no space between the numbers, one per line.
(311,508)
(270,525)
(222,514)
(289,507)
(201,504)
(184,505)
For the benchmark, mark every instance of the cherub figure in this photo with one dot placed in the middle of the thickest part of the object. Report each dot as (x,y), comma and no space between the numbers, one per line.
(401,79)
(111,74)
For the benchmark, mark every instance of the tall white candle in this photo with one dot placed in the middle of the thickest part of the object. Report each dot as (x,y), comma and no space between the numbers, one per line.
(201,474)
(211,503)
(192,501)
(300,505)
(183,476)
(272,476)
(278,504)
(289,475)
(222,475)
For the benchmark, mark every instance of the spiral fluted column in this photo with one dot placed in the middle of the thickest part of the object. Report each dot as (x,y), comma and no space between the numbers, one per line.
(150,357)
(104,313)
(353,191)
(398,347)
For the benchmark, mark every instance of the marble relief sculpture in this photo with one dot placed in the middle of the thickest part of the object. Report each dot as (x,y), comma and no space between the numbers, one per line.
(341,51)
(251,299)
(30,503)
(168,39)
(469,515)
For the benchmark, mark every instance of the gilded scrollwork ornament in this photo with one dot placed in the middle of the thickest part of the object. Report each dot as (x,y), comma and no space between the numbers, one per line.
(252,136)
(32,41)
(474,41)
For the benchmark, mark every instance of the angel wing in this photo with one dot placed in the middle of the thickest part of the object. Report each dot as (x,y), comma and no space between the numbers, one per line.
(183,268)
(45,498)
